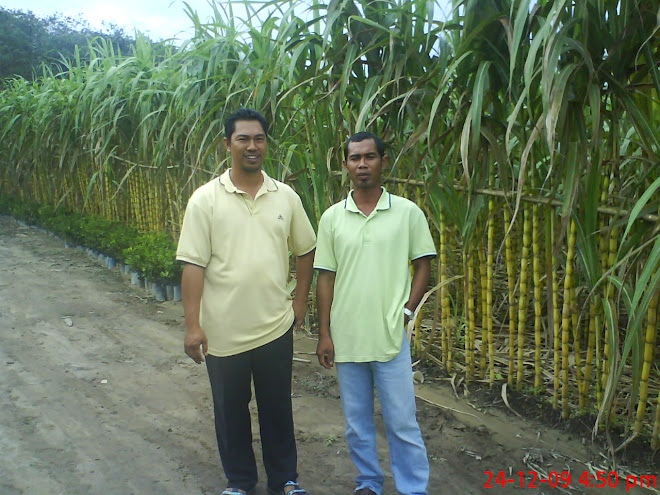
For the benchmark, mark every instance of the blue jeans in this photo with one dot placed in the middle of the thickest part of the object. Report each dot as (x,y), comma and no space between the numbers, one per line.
(396,395)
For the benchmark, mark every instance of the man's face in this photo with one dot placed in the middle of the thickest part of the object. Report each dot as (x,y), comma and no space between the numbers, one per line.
(364,164)
(247,146)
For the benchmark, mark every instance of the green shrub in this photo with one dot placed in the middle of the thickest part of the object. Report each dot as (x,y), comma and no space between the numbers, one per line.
(151,254)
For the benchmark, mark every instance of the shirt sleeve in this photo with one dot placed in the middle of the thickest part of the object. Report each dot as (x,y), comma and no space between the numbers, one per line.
(302,238)
(421,240)
(195,239)
(324,258)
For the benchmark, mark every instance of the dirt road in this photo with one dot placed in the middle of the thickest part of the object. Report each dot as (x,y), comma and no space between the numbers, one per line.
(97,397)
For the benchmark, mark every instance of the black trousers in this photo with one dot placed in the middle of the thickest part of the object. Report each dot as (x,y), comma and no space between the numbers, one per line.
(269,366)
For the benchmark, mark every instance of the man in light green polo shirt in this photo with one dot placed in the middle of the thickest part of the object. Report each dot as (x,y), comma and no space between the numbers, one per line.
(235,241)
(365,296)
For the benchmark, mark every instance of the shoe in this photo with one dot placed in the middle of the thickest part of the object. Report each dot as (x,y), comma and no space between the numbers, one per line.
(295,491)
(238,491)
(365,491)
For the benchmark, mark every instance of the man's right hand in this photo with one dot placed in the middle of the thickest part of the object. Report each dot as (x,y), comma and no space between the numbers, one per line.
(195,344)
(325,351)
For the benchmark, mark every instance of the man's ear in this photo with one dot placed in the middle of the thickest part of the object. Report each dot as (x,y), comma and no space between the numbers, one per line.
(386,161)
(224,140)
(343,164)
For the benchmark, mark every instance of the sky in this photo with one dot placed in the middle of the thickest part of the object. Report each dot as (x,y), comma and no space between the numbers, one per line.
(158,19)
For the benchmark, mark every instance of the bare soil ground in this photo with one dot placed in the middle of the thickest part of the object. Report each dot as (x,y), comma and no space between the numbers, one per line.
(97,397)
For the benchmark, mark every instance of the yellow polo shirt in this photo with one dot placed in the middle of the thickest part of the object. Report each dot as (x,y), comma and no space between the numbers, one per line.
(244,246)
(370,257)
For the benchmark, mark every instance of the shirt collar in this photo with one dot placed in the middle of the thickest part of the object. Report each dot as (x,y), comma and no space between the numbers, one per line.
(268,185)
(384,202)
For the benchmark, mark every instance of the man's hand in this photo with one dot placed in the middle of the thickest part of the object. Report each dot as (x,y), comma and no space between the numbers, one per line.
(195,344)
(299,311)
(304,275)
(325,352)
(192,286)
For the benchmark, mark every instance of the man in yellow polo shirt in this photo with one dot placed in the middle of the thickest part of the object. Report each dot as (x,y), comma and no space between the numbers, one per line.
(235,241)
(365,296)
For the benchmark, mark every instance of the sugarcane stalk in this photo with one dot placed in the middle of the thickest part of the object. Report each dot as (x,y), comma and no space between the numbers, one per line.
(436,321)
(523,296)
(470,307)
(552,302)
(567,317)
(577,336)
(556,332)
(655,438)
(511,286)
(612,245)
(588,360)
(437,306)
(600,330)
(536,273)
(609,295)
(649,349)
(171,206)
(447,321)
(490,247)
(481,303)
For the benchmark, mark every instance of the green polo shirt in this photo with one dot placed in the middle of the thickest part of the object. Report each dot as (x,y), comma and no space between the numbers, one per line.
(244,245)
(370,256)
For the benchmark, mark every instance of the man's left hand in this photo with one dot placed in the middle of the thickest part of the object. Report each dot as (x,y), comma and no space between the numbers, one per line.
(299,311)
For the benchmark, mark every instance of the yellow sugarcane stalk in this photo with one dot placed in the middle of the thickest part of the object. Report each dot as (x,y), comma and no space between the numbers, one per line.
(447,321)
(609,295)
(490,247)
(577,335)
(566,318)
(63,192)
(171,207)
(600,330)
(437,309)
(469,300)
(436,321)
(442,276)
(649,349)
(612,245)
(82,186)
(655,439)
(139,201)
(106,207)
(132,188)
(556,332)
(523,296)
(130,184)
(482,301)
(136,200)
(149,202)
(536,273)
(142,201)
(511,285)
(588,360)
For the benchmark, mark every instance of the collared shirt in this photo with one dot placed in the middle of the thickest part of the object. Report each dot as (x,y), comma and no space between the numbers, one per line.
(370,256)
(244,245)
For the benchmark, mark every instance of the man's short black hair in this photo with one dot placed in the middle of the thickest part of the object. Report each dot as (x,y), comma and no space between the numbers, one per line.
(244,114)
(361,136)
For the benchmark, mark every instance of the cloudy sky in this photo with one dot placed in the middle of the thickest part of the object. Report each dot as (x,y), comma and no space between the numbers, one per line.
(158,19)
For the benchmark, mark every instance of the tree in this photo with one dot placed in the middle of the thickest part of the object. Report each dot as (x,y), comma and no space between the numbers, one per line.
(29,43)
(21,43)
